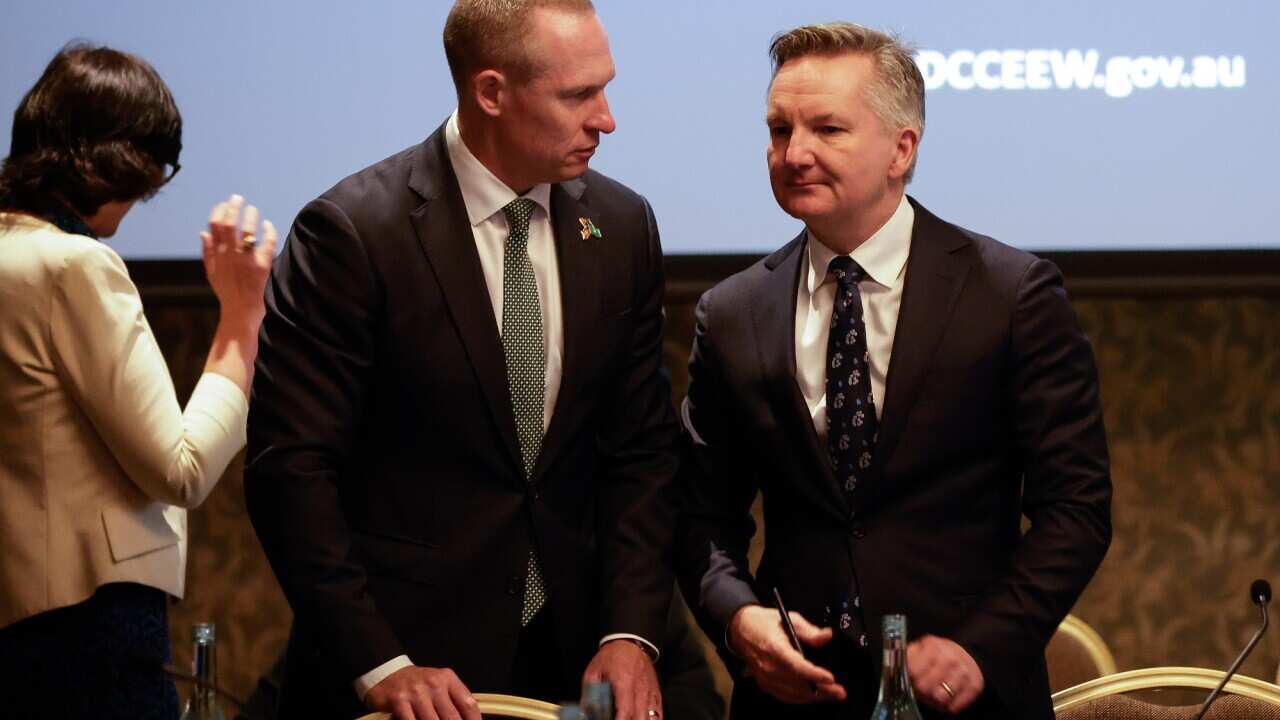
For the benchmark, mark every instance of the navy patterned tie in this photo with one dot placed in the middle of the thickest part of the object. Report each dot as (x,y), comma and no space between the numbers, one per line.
(851,412)
(522,343)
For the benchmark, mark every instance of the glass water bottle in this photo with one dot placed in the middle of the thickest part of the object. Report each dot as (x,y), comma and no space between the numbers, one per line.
(597,701)
(896,702)
(203,703)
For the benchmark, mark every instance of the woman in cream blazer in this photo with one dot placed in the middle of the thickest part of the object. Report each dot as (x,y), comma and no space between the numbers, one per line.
(98,463)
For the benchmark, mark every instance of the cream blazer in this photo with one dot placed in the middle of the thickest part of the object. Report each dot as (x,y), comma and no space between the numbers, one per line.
(97,459)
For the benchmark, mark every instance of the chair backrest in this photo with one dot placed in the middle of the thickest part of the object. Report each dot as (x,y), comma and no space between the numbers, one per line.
(1102,699)
(1121,707)
(502,706)
(1076,654)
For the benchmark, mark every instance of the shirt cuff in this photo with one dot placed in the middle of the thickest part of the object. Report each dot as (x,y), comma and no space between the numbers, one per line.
(727,645)
(650,649)
(365,682)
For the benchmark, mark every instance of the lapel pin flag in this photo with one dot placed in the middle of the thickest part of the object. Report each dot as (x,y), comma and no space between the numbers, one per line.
(589,229)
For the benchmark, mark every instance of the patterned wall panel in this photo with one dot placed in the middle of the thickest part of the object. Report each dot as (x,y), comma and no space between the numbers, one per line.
(1191,389)
(228,580)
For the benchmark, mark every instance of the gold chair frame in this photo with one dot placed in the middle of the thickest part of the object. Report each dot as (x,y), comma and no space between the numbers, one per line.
(1092,642)
(502,706)
(1164,677)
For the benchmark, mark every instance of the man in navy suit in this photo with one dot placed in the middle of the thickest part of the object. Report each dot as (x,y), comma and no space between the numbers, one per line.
(902,391)
(461,442)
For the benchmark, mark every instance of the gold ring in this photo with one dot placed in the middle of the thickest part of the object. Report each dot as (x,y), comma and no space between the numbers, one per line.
(653,713)
(946,688)
(247,241)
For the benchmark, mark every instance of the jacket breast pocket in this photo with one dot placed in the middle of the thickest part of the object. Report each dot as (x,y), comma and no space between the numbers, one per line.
(132,533)
(614,299)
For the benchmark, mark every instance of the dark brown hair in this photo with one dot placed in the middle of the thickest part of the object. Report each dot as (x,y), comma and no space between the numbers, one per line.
(98,126)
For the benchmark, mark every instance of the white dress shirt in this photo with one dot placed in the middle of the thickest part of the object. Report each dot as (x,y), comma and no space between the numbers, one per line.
(485,196)
(884,258)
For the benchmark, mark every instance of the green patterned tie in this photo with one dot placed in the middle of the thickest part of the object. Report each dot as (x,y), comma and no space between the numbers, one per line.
(522,343)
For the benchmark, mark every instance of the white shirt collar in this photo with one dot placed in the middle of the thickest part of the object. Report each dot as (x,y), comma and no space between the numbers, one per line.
(883,255)
(482,192)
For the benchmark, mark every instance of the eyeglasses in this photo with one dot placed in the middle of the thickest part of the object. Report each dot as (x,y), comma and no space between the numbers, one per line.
(164,149)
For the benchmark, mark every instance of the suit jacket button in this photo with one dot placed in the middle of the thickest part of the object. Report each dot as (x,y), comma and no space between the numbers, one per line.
(514,585)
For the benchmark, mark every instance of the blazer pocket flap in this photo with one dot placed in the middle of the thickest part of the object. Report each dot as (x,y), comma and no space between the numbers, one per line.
(134,533)
(396,557)
(618,310)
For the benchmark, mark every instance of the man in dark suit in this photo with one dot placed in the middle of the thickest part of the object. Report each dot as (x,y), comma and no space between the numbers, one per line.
(461,441)
(901,391)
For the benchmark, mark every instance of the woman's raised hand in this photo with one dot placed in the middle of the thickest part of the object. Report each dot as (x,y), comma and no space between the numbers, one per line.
(236,264)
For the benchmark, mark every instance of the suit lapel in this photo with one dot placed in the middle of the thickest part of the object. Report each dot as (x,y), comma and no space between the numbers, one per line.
(580,292)
(936,273)
(773,311)
(444,231)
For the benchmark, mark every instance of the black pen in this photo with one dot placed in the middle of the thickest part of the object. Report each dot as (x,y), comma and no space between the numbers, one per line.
(791,630)
(786,622)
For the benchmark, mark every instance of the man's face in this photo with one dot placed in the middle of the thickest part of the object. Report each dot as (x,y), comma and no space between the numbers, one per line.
(832,161)
(552,123)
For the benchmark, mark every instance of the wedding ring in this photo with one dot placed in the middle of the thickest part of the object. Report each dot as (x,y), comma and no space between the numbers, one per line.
(950,691)
(247,241)
(653,713)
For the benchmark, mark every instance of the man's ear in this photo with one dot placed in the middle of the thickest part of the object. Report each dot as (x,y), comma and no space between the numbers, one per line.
(489,88)
(904,152)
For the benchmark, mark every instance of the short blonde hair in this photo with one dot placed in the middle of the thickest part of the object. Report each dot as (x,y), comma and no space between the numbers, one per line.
(897,94)
(480,34)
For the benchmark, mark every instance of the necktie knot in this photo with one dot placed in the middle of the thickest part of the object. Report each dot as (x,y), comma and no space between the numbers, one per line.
(519,212)
(846,270)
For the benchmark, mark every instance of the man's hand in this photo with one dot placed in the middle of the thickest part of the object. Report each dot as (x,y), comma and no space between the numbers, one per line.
(756,635)
(627,667)
(423,693)
(932,661)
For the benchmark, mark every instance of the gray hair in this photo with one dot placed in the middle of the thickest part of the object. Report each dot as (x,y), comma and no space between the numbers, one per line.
(896,95)
(482,34)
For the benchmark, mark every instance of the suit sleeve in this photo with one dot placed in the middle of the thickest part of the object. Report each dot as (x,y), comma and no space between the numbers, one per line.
(311,385)
(719,488)
(636,511)
(1052,392)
